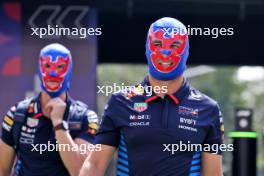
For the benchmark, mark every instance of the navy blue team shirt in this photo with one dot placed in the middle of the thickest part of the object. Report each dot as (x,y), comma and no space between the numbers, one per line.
(38,129)
(140,125)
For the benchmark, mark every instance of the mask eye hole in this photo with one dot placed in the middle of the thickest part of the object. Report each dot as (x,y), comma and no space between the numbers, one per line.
(157,43)
(46,65)
(176,44)
(61,66)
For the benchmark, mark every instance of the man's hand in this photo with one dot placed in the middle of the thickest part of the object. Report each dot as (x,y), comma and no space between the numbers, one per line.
(96,163)
(56,108)
(7,158)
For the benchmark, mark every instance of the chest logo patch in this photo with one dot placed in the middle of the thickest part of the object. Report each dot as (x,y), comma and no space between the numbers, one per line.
(188,111)
(140,107)
(32,122)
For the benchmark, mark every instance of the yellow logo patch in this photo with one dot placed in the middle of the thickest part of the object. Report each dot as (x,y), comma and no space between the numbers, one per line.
(8,120)
(222,128)
(93,126)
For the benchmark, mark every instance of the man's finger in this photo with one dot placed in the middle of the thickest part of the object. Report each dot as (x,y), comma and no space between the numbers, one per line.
(49,107)
(49,104)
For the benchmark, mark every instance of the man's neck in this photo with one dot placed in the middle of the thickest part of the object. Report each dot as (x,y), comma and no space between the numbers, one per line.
(172,86)
(45,98)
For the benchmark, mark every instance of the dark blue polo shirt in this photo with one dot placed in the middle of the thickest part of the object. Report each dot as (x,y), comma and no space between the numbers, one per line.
(38,129)
(146,128)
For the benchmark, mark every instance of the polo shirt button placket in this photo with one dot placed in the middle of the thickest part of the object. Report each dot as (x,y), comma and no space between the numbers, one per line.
(165,112)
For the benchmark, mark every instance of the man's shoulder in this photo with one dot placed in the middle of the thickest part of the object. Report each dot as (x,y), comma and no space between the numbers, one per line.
(123,101)
(15,114)
(201,105)
(77,105)
(132,93)
(11,112)
(80,110)
(21,105)
(197,97)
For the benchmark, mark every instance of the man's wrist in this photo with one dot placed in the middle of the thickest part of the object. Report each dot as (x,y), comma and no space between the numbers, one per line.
(56,122)
(61,126)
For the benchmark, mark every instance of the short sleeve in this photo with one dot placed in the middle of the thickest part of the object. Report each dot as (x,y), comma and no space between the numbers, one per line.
(7,127)
(215,136)
(89,127)
(108,133)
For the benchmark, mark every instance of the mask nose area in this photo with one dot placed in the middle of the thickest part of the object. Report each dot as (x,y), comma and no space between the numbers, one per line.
(53,74)
(165,52)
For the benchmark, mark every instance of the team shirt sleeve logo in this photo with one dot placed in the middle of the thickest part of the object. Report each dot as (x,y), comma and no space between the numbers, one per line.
(93,122)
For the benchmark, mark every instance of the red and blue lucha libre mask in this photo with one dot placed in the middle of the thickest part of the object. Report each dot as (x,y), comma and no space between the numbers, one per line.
(167,49)
(55,68)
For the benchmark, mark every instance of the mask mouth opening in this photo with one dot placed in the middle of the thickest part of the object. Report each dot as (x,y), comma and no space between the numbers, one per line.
(164,64)
(52,85)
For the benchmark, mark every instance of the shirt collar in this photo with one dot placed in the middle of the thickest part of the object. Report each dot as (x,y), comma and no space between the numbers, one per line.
(176,97)
(183,91)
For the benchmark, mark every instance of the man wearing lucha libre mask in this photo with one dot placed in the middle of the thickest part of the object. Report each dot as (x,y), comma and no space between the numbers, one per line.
(150,131)
(34,130)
